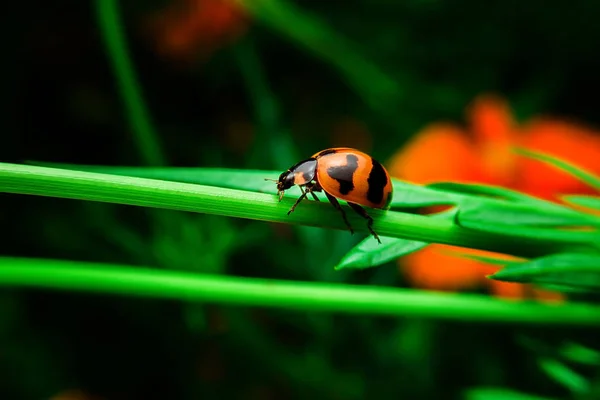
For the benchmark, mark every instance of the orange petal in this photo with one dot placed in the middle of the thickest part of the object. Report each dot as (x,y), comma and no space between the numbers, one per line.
(435,268)
(570,142)
(440,267)
(499,288)
(547,295)
(188,27)
(507,290)
(73,394)
(494,131)
(515,291)
(440,152)
(490,119)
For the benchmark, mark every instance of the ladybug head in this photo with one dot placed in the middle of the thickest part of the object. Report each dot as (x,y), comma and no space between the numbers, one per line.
(300,174)
(286,180)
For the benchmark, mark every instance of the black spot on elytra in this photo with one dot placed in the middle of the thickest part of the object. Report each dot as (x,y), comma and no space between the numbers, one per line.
(377,181)
(344,173)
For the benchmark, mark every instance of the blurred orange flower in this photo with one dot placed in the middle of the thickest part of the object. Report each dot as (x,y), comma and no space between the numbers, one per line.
(187,29)
(74,394)
(482,153)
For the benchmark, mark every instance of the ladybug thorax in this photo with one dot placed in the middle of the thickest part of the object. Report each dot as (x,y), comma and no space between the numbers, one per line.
(300,174)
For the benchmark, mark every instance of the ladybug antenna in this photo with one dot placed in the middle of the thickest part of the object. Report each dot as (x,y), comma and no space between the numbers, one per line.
(273,180)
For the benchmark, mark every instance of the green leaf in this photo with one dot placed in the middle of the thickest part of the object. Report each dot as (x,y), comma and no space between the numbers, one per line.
(479,214)
(579,270)
(564,375)
(493,393)
(500,210)
(564,288)
(485,190)
(578,172)
(488,259)
(587,240)
(369,253)
(411,195)
(583,201)
(503,261)
(296,295)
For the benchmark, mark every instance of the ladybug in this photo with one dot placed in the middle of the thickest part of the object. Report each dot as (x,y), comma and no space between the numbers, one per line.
(341,173)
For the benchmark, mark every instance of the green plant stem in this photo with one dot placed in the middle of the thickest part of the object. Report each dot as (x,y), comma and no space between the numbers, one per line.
(147,139)
(324,297)
(42,181)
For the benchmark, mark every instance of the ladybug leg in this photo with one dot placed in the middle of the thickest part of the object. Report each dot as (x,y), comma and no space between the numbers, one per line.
(361,211)
(336,204)
(304,193)
(314,187)
(308,188)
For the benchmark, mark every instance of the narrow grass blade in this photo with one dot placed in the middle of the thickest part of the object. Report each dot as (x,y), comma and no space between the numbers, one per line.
(575,352)
(405,194)
(485,190)
(591,237)
(475,212)
(499,260)
(146,138)
(322,297)
(25,179)
(578,172)
(564,375)
(579,270)
(494,393)
(481,210)
(592,202)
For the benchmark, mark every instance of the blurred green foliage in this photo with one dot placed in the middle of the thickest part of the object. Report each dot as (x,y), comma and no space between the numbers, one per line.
(84,85)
